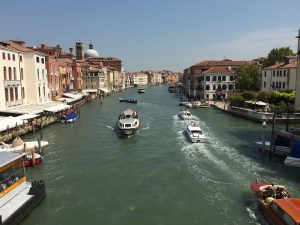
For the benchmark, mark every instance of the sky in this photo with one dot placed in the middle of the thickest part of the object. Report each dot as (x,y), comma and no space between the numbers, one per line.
(156,34)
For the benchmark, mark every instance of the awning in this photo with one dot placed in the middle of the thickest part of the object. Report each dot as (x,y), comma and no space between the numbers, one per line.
(27,116)
(105,90)
(74,96)
(67,100)
(10,122)
(259,103)
(89,91)
(57,108)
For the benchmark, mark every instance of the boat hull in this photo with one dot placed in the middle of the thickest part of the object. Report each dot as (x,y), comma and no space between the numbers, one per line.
(37,191)
(128,132)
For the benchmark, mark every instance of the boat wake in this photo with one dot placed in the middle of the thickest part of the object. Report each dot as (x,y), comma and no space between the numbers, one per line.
(145,128)
(111,128)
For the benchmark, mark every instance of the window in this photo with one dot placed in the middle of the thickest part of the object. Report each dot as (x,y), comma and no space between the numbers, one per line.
(224,87)
(44,90)
(3,55)
(219,78)
(231,78)
(277,73)
(39,91)
(15,73)
(6,94)
(223,78)
(21,74)
(38,73)
(283,84)
(207,96)
(8,56)
(274,73)
(4,72)
(265,84)
(16,93)
(23,92)
(43,77)
(284,73)
(9,73)
(13,57)
(265,73)
(42,59)
(230,87)
(21,58)
(280,73)
(11,94)
(207,78)
(214,78)
(37,59)
(207,88)
(214,87)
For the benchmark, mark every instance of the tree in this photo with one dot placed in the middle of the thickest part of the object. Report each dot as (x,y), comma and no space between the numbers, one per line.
(277,55)
(248,78)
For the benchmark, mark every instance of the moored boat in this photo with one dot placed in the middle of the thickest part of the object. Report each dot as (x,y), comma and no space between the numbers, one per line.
(184,114)
(276,204)
(17,197)
(278,150)
(194,133)
(128,122)
(141,90)
(69,118)
(131,100)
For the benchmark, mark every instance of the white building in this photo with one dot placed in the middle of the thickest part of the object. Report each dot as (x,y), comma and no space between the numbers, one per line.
(281,76)
(140,79)
(217,83)
(24,75)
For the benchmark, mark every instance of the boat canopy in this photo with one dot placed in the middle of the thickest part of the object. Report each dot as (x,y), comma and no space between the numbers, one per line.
(291,206)
(71,116)
(8,157)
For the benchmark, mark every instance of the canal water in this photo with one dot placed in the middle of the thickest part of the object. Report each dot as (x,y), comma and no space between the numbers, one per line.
(155,177)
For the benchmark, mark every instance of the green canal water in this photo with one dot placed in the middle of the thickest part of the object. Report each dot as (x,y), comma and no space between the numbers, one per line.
(155,177)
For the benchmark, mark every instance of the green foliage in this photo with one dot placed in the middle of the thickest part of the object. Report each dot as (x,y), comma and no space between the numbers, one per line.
(263,96)
(277,55)
(236,100)
(248,78)
(249,95)
(276,97)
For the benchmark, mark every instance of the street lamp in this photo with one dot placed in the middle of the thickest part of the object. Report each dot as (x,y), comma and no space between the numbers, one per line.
(264,124)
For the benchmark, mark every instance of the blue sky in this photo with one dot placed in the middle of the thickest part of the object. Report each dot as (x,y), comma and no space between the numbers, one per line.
(157,34)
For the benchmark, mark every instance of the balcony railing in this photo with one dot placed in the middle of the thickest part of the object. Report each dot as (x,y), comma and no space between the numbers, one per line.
(12,82)
(13,103)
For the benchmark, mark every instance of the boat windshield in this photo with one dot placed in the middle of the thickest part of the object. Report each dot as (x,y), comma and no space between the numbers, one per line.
(197,132)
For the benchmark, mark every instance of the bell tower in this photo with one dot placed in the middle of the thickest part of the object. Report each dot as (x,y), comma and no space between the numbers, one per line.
(79,50)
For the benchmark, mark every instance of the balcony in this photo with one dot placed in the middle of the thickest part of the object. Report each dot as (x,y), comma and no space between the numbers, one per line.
(12,83)
(13,103)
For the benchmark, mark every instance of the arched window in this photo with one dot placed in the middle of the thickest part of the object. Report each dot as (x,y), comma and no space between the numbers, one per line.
(4,72)
(21,74)
(9,73)
(6,94)
(16,93)
(11,94)
(15,73)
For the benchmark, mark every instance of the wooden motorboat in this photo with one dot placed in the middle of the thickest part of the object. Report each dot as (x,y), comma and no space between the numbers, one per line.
(276,204)
(141,90)
(131,100)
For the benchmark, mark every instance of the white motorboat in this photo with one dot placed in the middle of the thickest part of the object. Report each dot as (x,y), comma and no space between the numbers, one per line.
(128,122)
(184,114)
(194,133)
(19,145)
(278,150)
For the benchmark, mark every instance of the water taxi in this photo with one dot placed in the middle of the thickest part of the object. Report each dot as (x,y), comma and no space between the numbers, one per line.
(128,122)
(276,204)
(17,197)
(141,90)
(184,114)
(194,133)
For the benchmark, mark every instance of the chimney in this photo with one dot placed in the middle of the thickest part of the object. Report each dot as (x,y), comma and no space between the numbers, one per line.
(42,46)
(57,46)
(71,51)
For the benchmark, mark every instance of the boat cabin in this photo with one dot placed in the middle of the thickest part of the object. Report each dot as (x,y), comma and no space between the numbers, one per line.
(287,210)
(12,175)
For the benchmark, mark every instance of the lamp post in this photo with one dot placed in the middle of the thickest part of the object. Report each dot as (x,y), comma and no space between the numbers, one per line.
(264,124)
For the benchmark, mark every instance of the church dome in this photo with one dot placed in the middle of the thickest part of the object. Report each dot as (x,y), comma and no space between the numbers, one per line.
(91,53)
